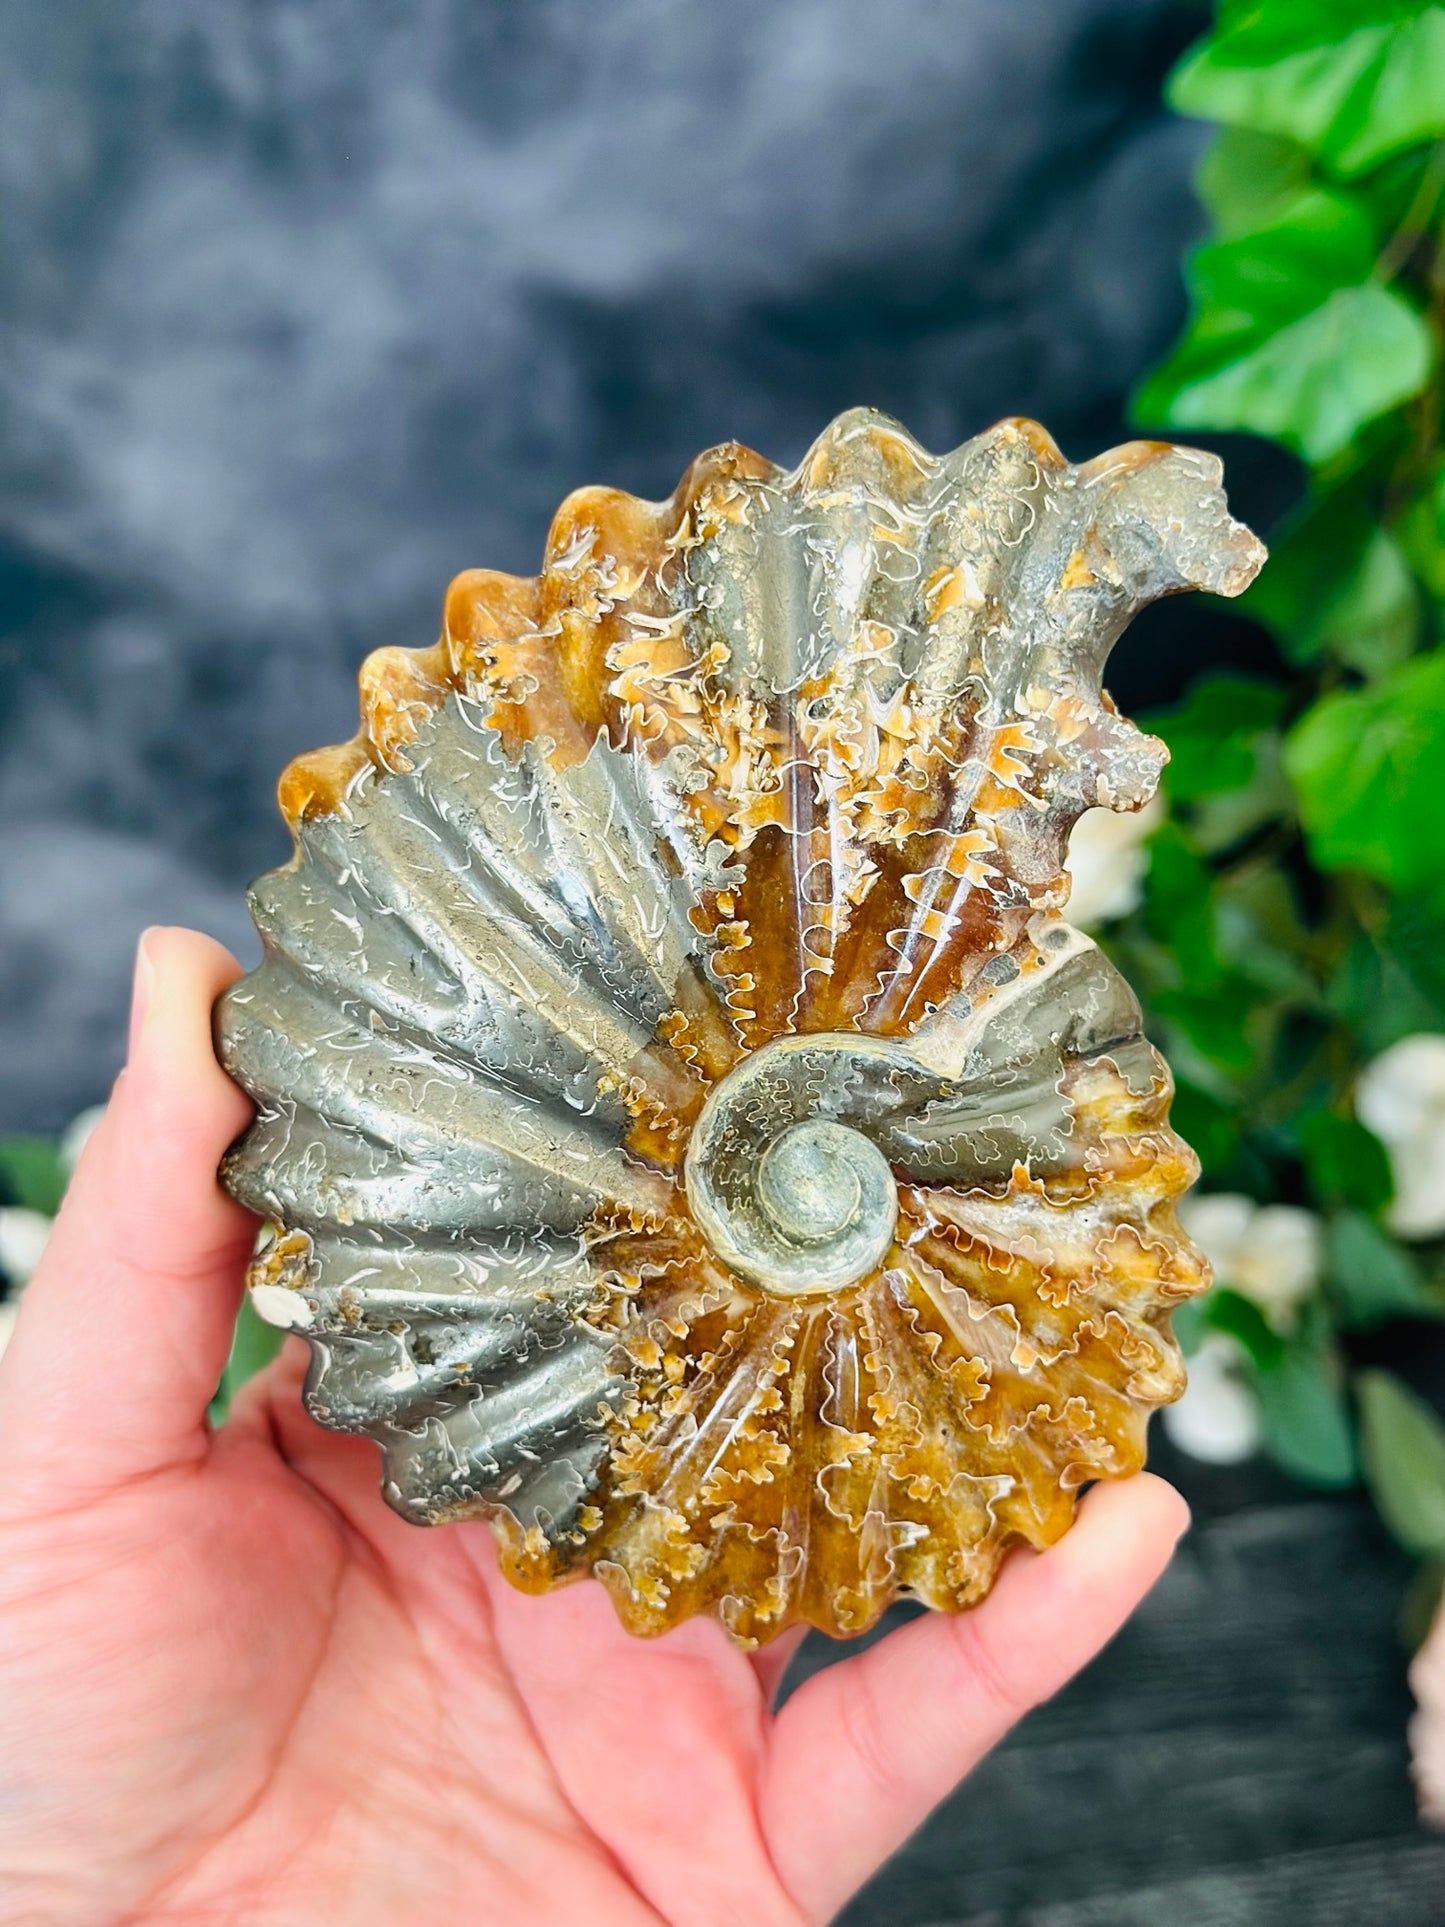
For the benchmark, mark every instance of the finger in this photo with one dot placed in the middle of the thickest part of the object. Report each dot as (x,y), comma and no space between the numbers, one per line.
(693,1696)
(344,1469)
(773,1661)
(125,1327)
(863,1751)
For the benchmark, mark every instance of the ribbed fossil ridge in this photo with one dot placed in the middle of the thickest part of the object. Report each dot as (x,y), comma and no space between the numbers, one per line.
(748,814)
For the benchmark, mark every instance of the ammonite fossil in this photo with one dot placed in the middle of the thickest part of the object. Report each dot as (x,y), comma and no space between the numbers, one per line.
(693,1137)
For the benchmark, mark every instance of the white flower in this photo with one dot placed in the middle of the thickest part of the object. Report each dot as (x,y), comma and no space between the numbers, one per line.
(8,1309)
(1401,1097)
(1107,861)
(23,1237)
(1427,1728)
(1217,1419)
(1268,1253)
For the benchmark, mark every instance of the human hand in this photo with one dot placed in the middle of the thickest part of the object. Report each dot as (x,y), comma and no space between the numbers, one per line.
(235,1687)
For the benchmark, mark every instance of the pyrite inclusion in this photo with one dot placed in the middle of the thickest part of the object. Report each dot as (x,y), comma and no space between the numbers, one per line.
(695,1139)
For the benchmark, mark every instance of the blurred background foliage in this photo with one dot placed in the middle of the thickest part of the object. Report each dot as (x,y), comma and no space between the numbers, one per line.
(1289,939)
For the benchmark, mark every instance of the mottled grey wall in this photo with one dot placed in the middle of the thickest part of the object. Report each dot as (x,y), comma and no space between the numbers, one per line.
(309,305)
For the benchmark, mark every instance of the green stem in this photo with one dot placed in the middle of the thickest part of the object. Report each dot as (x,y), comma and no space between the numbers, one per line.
(1415,227)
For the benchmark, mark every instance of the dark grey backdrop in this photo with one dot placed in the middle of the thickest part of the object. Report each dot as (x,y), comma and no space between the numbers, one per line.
(307,304)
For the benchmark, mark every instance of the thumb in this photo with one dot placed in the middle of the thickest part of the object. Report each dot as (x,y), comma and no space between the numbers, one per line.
(125,1327)
(865,1749)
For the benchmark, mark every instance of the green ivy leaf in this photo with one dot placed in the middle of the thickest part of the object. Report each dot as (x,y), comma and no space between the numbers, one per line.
(1205,1033)
(1231,1160)
(1415,946)
(1228,1311)
(1199,1001)
(1224,758)
(1311,384)
(1325,241)
(1319,545)
(1178,910)
(1219,822)
(1371,1277)
(1422,534)
(31,1174)
(1259,932)
(1202,1121)
(1212,734)
(1351,80)
(1248,180)
(1337,583)
(1253,71)
(1371,618)
(1376,987)
(1289,337)
(1366,766)
(1403,1448)
(1189,1322)
(1306,1419)
(1344,1161)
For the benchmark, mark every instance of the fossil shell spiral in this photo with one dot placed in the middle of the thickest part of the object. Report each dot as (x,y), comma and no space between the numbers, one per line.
(693,1137)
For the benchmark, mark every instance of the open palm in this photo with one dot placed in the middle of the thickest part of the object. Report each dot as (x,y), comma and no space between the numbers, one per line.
(235,1687)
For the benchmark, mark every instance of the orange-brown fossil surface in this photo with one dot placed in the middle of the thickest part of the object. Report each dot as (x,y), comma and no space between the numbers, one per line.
(694,1137)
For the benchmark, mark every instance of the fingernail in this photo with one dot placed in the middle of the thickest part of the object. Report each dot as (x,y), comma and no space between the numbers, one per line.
(140,996)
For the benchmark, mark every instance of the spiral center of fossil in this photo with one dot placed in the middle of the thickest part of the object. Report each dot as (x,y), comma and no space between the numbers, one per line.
(787,1193)
(808,1183)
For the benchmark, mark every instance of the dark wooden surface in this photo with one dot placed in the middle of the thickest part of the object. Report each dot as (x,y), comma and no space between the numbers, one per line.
(1236,1759)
